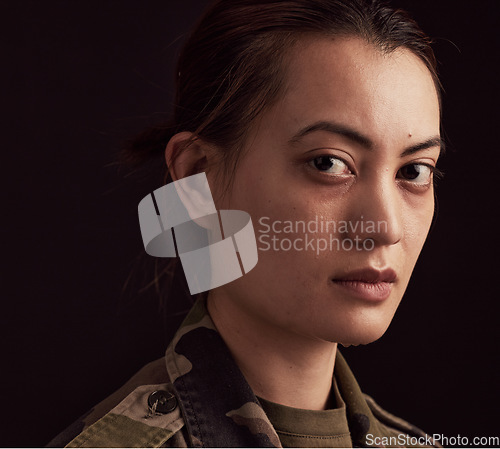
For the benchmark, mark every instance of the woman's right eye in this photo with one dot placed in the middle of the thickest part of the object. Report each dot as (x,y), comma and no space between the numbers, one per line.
(330,164)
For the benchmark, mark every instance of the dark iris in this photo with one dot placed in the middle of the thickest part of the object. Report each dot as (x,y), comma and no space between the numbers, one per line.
(323,162)
(411,171)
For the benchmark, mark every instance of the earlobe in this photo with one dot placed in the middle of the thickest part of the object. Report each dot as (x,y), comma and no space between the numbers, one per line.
(185,155)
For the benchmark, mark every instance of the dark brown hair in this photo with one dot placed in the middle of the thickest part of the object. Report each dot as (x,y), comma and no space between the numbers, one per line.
(234,65)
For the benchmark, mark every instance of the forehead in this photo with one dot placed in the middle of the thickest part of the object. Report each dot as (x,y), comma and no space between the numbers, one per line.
(353,82)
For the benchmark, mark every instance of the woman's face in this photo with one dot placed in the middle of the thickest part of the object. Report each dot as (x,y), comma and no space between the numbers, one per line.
(337,177)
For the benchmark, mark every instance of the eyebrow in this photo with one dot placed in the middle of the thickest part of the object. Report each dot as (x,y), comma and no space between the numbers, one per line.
(364,141)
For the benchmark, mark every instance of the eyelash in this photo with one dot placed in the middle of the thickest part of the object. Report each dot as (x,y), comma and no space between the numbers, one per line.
(328,156)
(435,173)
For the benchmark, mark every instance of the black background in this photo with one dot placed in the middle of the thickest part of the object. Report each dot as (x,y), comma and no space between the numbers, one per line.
(78,77)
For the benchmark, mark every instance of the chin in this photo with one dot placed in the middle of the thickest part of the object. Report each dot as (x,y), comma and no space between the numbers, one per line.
(363,338)
(358,341)
(359,334)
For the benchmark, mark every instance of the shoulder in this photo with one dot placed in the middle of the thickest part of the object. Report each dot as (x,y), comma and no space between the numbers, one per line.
(133,400)
(153,373)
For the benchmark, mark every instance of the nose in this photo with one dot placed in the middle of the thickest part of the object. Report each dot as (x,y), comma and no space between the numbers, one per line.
(375,213)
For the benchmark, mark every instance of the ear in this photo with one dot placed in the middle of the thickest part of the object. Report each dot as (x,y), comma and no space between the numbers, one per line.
(186,155)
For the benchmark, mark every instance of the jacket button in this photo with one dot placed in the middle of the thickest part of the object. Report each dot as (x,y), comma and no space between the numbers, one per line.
(161,401)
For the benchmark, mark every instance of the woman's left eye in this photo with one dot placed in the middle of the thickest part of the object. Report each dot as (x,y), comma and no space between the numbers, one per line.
(330,164)
(416,173)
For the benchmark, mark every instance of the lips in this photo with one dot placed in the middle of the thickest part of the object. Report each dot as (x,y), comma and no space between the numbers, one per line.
(368,283)
(369,275)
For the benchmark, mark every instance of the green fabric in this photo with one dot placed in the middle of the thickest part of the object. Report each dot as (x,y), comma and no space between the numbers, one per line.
(310,428)
(120,431)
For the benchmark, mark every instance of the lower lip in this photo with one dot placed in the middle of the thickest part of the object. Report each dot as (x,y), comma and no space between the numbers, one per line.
(371,291)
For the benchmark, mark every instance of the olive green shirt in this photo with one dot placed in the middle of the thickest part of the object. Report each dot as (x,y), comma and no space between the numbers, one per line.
(310,428)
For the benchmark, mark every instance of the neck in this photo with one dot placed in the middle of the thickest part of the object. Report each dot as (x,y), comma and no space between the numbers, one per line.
(279,365)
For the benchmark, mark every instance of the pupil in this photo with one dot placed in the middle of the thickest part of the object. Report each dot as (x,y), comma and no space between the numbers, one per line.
(411,171)
(323,163)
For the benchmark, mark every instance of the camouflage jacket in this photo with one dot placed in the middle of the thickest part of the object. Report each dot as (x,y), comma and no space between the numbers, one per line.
(197,397)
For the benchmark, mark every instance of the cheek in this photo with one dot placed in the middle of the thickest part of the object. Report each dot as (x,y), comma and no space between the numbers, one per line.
(417,215)
(264,191)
